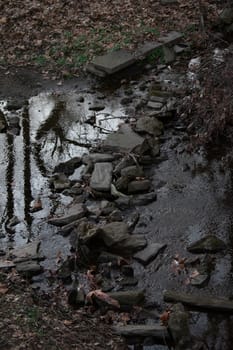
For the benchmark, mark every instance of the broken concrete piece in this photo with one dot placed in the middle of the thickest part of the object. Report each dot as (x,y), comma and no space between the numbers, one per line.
(114,61)
(125,140)
(149,253)
(75,212)
(102,177)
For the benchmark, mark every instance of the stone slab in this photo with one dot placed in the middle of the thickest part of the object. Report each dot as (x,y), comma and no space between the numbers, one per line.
(97,158)
(114,61)
(92,69)
(147,48)
(171,38)
(28,251)
(149,253)
(124,140)
(74,213)
(102,177)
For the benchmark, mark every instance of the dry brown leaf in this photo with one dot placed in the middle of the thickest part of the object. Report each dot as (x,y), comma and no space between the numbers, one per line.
(3,288)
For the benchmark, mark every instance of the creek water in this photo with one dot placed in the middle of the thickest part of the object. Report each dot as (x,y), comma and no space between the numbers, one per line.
(194,193)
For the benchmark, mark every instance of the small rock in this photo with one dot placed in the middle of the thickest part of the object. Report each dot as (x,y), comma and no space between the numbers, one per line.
(168,55)
(207,244)
(139,186)
(132,172)
(60,182)
(29,251)
(29,268)
(149,253)
(133,220)
(143,199)
(76,297)
(116,215)
(113,233)
(128,298)
(122,183)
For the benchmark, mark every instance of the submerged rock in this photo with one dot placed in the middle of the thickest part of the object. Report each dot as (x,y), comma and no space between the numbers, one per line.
(207,244)
(29,268)
(178,326)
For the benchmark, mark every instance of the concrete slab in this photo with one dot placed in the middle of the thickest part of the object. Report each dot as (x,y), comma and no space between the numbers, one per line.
(114,61)
(92,69)
(170,38)
(147,48)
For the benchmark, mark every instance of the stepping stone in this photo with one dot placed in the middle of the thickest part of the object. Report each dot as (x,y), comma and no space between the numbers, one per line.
(147,48)
(97,158)
(114,61)
(149,253)
(102,177)
(92,69)
(28,251)
(154,331)
(126,140)
(76,212)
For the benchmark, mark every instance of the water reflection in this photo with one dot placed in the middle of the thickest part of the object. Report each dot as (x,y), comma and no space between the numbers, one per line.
(54,128)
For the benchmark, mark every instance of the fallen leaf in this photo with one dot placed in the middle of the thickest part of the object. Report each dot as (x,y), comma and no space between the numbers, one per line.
(164,317)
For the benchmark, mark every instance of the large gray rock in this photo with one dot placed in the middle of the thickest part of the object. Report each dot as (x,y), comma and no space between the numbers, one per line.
(149,253)
(113,233)
(131,245)
(126,140)
(207,244)
(75,212)
(102,177)
(149,125)
(114,61)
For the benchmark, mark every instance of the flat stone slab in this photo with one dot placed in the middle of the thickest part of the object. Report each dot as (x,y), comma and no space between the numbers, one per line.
(29,251)
(114,233)
(74,213)
(6,264)
(149,125)
(114,61)
(92,69)
(147,48)
(149,253)
(207,244)
(125,140)
(200,302)
(171,38)
(102,177)
(29,268)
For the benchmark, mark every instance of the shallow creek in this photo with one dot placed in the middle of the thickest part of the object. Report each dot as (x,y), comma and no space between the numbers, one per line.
(194,194)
